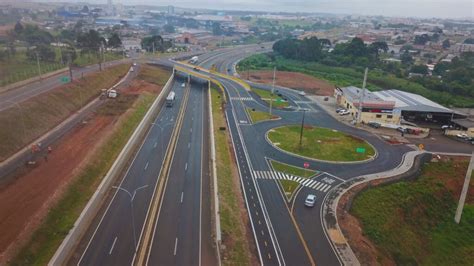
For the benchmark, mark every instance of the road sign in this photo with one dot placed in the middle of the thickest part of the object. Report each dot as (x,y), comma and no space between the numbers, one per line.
(64,79)
(279,100)
(360,150)
(306,165)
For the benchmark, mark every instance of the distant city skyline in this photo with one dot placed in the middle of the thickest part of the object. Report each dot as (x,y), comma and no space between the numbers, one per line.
(393,8)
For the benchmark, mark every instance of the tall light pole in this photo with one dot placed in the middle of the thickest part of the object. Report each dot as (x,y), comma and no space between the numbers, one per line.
(302,126)
(462,198)
(132,196)
(361,98)
(38,63)
(273,90)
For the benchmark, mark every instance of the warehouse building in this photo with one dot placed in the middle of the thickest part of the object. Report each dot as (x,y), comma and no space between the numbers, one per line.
(394,106)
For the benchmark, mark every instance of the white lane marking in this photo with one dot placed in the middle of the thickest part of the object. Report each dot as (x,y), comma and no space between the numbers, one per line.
(189,145)
(191,130)
(186,167)
(113,245)
(175,246)
(146,165)
(182,195)
(156,143)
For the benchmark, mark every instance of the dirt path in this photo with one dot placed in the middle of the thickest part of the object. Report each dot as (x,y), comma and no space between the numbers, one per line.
(292,80)
(25,201)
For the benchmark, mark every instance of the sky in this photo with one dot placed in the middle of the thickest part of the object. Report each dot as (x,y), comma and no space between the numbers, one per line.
(399,8)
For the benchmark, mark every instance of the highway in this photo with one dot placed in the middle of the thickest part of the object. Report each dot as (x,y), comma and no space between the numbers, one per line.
(182,234)
(23,93)
(113,237)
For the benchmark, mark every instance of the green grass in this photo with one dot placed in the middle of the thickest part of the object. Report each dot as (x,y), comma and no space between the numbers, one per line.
(154,75)
(18,67)
(258,116)
(292,170)
(60,219)
(290,186)
(413,222)
(267,96)
(233,227)
(321,143)
(32,118)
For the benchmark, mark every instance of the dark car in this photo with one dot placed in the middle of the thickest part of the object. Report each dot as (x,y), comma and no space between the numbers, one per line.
(374,124)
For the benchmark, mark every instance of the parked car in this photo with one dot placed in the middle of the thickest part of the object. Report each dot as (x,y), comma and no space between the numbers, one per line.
(338,110)
(446,127)
(310,200)
(462,136)
(374,124)
(401,129)
(302,93)
(344,112)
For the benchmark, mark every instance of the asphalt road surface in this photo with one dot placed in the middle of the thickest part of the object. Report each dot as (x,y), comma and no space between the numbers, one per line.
(112,239)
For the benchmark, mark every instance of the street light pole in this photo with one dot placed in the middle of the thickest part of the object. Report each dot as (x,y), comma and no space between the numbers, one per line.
(273,90)
(302,126)
(131,204)
(38,63)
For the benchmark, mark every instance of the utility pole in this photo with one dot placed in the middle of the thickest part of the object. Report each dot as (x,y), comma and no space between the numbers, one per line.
(39,67)
(462,198)
(69,65)
(100,58)
(361,99)
(60,51)
(273,90)
(302,126)
(153,43)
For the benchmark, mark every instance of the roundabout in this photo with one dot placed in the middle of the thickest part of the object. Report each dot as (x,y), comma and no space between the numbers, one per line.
(321,144)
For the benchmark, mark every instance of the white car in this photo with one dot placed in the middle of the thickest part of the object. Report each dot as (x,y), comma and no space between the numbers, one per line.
(183,84)
(310,200)
(462,136)
(134,64)
(344,112)
(302,93)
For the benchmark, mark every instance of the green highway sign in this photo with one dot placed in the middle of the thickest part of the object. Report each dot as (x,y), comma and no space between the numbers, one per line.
(64,79)
(279,100)
(360,150)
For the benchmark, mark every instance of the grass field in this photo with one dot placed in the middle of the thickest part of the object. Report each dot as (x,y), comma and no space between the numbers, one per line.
(258,116)
(233,227)
(289,186)
(30,119)
(413,221)
(154,75)
(62,216)
(321,143)
(19,67)
(267,96)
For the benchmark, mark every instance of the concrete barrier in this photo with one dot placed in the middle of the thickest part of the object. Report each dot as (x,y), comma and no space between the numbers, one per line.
(82,223)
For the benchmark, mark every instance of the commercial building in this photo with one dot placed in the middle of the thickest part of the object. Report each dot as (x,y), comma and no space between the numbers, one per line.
(373,108)
(464,126)
(393,107)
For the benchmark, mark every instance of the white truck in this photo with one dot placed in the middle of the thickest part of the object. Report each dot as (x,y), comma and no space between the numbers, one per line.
(194,60)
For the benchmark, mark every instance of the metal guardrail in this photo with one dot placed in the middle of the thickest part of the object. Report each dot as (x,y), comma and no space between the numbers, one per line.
(82,223)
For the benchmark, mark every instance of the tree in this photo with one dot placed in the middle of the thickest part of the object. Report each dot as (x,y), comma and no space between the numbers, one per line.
(406,58)
(90,41)
(168,28)
(44,53)
(216,28)
(446,44)
(18,28)
(114,41)
(85,9)
(153,42)
(357,48)
(376,47)
(422,39)
(419,69)
(469,41)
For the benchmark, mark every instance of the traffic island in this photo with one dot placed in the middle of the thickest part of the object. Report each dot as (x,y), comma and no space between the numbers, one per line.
(258,116)
(322,144)
(289,187)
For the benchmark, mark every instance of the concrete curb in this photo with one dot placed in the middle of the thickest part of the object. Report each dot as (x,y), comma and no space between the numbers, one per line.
(214,179)
(331,201)
(94,204)
(319,160)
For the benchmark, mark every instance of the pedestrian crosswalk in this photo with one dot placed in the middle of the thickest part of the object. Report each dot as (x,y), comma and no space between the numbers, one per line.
(242,98)
(303,181)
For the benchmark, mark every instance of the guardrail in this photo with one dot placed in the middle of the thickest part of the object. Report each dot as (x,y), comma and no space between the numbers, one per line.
(82,223)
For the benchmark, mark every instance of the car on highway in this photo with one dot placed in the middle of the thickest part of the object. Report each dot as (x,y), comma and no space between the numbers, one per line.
(338,110)
(183,84)
(134,64)
(310,200)
(344,112)
(302,93)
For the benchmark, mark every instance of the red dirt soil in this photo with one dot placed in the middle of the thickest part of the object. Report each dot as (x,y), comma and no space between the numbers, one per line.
(24,203)
(292,80)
